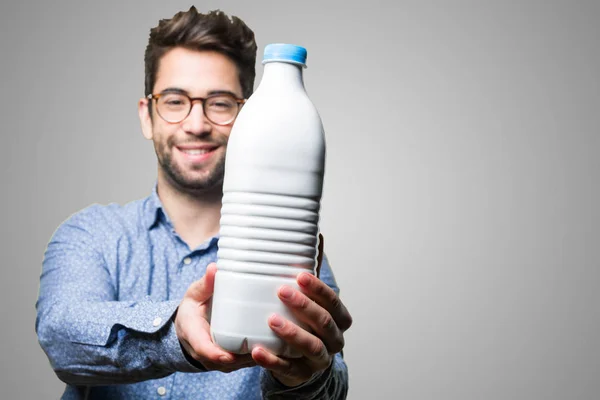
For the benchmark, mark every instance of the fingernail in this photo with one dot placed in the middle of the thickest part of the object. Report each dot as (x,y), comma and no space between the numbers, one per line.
(304,279)
(225,359)
(276,321)
(286,292)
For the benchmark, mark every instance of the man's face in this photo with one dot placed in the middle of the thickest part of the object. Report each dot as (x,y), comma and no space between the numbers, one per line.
(191,153)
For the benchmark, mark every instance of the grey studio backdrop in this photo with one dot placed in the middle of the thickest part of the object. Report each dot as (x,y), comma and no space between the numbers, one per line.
(462,187)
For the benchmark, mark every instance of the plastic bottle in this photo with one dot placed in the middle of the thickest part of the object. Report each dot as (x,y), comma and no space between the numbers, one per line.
(271,199)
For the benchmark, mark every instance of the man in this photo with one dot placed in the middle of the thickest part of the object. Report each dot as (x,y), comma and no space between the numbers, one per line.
(121,312)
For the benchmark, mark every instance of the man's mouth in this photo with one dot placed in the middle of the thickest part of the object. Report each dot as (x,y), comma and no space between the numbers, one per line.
(197,153)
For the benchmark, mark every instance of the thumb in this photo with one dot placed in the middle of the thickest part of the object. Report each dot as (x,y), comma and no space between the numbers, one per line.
(201,290)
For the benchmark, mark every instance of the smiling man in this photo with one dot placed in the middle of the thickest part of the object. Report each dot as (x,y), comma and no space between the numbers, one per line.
(123,309)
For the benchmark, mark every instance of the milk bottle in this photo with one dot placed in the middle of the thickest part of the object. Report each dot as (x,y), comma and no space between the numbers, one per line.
(271,198)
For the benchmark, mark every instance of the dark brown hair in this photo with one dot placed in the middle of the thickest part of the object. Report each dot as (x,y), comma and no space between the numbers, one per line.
(195,31)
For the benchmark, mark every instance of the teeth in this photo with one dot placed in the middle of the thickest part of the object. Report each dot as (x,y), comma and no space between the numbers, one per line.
(195,152)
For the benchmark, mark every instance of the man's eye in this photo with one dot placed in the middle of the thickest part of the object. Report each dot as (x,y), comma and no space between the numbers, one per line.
(174,101)
(220,104)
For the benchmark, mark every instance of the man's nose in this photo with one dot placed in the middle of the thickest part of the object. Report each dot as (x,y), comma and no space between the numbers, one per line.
(196,122)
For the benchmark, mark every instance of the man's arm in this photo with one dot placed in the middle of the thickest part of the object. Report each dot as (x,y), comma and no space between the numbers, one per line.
(90,337)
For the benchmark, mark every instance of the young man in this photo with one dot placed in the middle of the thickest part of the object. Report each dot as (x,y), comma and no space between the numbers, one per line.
(121,312)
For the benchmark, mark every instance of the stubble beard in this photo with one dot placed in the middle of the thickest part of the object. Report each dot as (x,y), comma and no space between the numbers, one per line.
(209,180)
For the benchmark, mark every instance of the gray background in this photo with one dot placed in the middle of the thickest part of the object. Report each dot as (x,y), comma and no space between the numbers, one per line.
(461,196)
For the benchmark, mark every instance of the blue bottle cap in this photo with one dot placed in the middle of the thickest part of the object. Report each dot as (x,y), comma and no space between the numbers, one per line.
(286,53)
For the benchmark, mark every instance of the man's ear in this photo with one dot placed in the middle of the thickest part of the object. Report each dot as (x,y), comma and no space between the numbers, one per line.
(145,119)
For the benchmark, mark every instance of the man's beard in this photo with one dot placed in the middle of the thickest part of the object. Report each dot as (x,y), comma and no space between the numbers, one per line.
(211,179)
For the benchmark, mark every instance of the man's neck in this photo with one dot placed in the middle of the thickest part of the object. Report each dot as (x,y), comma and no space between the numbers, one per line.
(195,216)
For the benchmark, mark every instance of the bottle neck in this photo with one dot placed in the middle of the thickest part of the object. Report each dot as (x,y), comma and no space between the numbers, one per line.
(282,75)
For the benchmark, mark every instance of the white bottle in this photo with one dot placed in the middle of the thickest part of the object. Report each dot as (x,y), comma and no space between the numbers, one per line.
(271,198)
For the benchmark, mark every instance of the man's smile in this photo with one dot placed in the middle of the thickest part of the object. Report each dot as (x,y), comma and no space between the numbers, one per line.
(198,152)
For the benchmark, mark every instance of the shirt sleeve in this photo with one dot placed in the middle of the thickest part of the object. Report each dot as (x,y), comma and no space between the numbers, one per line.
(89,337)
(331,384)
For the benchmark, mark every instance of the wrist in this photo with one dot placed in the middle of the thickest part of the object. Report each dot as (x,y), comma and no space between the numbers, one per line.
(289,382)
(292,382)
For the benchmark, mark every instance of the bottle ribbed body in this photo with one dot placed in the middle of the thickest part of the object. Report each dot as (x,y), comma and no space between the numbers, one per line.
(267,233)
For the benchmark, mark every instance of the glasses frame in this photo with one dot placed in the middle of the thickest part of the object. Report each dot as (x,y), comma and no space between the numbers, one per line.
(202,101)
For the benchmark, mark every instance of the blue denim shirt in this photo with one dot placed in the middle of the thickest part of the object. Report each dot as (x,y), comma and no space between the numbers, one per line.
(112,279)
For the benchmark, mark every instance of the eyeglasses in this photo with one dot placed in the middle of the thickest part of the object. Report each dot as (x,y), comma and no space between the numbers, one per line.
(174,107)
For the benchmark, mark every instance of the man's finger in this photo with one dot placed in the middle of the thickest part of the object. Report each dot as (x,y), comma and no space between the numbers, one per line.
(309,345)
(315,316)
(324,296)
(203,289)
(202,346)
(193,331)
(289,372)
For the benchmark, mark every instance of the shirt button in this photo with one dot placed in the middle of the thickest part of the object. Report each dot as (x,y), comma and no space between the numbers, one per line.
(161,391)
(187,261)
(157,321)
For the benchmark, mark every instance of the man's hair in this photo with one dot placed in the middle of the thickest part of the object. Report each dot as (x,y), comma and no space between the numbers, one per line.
(213,31)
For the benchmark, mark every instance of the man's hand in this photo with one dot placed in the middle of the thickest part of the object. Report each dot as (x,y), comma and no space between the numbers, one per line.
(316,305)
(193,329)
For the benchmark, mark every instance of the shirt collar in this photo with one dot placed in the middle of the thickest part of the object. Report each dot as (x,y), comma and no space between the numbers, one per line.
(154,209)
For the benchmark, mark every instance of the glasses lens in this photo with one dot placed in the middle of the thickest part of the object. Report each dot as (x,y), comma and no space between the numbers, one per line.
(221,109)
(173,107)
